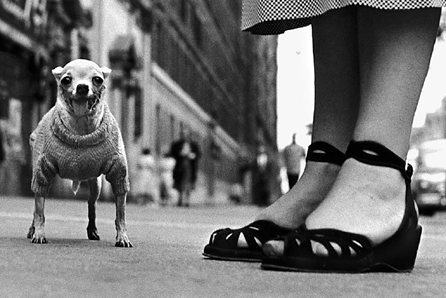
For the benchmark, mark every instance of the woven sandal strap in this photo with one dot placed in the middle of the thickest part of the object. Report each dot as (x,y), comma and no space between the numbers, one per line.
(323,152)
(261,230)
(299,243)
(343,240)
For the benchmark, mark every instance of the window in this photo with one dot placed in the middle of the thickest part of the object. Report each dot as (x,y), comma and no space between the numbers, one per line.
(197,30)
(172,128)
(184,10)
(138,114)
(158,129)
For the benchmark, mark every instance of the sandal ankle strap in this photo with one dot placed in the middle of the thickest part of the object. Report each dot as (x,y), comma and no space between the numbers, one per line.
(373,153)
(323,152)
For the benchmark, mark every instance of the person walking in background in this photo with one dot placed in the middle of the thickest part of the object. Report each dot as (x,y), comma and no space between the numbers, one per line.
(186,155)
(352,210)
(145,188)
(292,156)
(166,166)
(195,148)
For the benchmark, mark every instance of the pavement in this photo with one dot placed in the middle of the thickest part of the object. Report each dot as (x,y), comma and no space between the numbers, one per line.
(166,259)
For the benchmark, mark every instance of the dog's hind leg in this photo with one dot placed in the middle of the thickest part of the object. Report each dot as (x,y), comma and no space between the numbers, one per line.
(122,239)
(95,186)
(37,231)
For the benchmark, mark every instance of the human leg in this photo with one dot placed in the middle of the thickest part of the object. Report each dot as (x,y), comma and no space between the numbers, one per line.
(336,67)
(292,179)
(369,200)
(395,50)
(336,97)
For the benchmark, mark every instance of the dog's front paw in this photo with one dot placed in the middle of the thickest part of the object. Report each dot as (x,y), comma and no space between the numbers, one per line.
(93,234)
(38,238)
(123,241)
(30,233)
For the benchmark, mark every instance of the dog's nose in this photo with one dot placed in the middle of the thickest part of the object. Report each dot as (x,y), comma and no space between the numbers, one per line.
(82,89)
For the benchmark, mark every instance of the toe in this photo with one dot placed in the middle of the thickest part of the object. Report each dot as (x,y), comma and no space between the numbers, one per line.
(124,244)
(39,240)
(273,248)
(93,235)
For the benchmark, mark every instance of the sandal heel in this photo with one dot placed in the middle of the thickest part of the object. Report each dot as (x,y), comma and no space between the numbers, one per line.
(354,253)
(397,254)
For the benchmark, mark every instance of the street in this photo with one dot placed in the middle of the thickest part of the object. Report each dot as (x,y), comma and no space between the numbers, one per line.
(166,259)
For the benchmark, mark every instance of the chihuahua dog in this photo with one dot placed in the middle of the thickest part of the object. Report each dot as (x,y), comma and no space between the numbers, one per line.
(79,139)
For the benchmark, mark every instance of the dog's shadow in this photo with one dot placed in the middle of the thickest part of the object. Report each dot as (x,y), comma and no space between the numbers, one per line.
(60,243)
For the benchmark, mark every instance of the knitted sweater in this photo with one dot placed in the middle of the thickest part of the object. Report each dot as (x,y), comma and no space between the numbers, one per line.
(56,150)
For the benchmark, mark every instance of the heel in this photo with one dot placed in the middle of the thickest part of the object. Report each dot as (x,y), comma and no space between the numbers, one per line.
(397,254)
(349,252)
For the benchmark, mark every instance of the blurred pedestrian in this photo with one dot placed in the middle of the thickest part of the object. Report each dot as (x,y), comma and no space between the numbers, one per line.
(352,210)
(293,154)
(236,193)
(144,186)
(186,154)
(166,166)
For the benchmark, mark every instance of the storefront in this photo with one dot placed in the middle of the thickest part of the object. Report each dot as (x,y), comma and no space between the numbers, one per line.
(21,56)
(34,37)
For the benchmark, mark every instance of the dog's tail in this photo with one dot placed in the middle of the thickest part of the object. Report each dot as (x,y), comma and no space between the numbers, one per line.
(75,186)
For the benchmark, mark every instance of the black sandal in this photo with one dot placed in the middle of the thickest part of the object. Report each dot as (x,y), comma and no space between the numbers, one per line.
(223,243)
(396,254)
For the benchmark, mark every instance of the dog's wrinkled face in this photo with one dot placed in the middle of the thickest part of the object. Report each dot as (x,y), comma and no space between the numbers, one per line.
(81,84)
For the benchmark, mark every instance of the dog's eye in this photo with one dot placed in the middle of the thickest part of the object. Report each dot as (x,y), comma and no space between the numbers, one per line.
(98,80)
(66,80)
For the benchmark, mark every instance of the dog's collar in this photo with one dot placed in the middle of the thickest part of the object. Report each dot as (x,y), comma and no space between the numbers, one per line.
(94,138)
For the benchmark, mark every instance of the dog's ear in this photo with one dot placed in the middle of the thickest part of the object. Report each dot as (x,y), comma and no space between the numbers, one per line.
(57,72)
(105,71)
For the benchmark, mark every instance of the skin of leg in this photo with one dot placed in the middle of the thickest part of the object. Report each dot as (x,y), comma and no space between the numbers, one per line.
(95,186)
(37,229)
(336,67)
(122,239)
(395,50)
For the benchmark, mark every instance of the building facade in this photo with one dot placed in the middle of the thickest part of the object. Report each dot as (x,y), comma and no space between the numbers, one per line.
(177,66)
(34,37)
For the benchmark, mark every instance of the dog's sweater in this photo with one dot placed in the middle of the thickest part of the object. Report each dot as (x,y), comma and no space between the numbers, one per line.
(56,150)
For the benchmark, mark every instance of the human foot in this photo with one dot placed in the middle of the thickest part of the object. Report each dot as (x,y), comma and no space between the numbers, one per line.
(292,209)
(286,214)
(369,206)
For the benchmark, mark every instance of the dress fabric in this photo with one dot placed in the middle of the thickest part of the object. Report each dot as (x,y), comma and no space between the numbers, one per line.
(276,16)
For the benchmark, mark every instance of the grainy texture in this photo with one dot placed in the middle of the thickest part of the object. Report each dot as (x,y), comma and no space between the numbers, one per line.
(58,151)
(277,16)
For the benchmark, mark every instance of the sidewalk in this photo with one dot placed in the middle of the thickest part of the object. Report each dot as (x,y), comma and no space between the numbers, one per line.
(167,262)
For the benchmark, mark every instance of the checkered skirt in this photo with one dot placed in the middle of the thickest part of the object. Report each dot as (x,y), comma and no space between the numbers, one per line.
(277,16)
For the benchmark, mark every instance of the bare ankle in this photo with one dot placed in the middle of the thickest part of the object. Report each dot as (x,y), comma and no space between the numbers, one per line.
(292,209)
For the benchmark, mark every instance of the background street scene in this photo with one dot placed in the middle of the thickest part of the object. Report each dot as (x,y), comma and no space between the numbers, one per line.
(187,87)
(167,262)
(181,70)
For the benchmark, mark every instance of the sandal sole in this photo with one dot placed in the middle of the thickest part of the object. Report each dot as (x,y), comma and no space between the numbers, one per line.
(232,255)
(379,260)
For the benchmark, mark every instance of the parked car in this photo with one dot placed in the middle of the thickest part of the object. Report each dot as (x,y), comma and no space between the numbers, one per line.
(429,181)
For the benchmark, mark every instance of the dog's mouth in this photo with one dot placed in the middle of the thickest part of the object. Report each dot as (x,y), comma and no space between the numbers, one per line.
(82,105)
